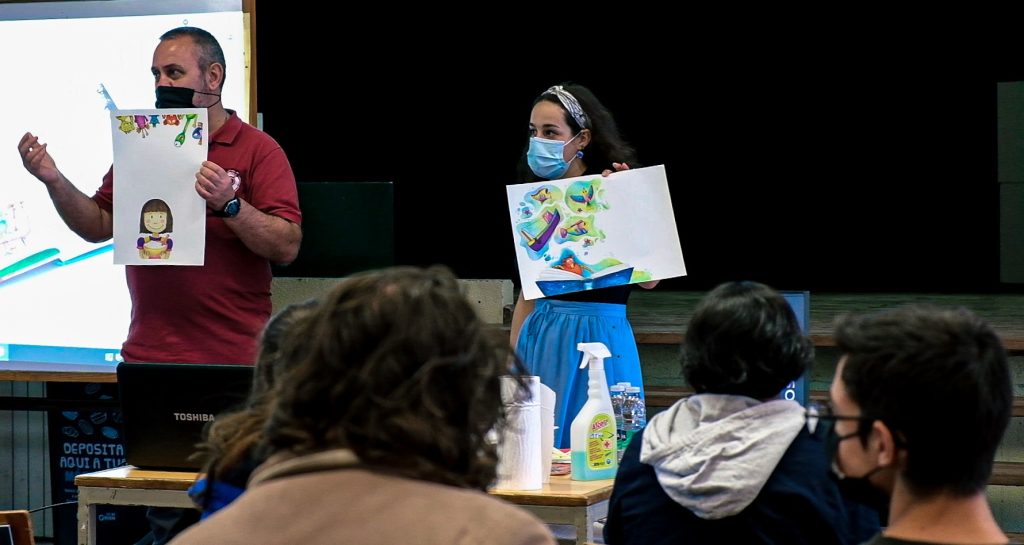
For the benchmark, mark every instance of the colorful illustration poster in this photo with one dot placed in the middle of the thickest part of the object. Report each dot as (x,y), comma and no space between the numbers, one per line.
(159,219)
(594,232)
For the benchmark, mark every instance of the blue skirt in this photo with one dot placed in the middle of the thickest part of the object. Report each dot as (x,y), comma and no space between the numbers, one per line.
(547,345)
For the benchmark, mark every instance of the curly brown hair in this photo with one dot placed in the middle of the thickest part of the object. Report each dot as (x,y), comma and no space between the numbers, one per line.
(396,366)
(230,440)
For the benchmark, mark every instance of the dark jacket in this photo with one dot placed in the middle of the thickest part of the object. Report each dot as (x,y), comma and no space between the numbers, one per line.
(799,504)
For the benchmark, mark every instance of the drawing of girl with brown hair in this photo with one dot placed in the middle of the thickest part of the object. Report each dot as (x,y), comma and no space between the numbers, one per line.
(155,226)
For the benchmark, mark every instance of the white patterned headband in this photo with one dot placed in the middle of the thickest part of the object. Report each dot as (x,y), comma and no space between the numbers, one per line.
(570,104)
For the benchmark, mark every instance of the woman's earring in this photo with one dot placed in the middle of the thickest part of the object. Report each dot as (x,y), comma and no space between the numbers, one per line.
(579,153)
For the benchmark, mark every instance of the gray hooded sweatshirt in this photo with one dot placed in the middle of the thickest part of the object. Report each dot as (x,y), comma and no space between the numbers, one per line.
(712,453)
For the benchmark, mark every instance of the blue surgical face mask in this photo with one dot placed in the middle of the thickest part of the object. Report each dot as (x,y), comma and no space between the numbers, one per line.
(546,157)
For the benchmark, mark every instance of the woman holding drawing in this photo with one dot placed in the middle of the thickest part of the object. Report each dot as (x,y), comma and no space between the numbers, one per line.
(573,134)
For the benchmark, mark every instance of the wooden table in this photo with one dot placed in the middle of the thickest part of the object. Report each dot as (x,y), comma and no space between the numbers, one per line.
(565,501)
(128,486)
(562,501)
(57,372)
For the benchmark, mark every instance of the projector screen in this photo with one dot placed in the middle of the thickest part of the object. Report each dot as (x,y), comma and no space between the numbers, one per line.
(65,64)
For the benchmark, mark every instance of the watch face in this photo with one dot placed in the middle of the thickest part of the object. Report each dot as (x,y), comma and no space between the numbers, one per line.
(232,207)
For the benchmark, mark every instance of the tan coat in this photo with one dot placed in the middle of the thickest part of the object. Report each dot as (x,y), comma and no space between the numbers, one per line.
(290,504)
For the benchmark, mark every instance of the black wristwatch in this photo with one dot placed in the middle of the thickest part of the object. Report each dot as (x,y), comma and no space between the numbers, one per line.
(230,209)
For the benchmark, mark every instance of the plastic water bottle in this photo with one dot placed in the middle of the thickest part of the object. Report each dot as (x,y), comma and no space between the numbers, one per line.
(626,434)
(634,415)
(618,398)
(639,408)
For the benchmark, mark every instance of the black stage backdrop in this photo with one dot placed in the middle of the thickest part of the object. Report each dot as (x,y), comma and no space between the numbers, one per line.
(820,160)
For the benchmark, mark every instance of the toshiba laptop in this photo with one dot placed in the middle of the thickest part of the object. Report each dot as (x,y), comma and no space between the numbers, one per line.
(166,405)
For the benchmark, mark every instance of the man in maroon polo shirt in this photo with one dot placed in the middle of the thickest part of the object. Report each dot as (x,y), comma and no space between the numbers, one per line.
(213,313)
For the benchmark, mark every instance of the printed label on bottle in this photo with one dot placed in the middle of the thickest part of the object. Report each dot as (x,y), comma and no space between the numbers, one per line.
(601,442)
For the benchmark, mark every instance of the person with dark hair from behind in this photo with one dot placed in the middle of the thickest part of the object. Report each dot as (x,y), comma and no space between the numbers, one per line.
(229,448)
(920,399)
(734,464)
(378,433)
(573,134)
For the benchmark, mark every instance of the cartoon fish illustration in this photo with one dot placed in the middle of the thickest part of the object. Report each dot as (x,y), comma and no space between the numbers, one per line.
(541,195)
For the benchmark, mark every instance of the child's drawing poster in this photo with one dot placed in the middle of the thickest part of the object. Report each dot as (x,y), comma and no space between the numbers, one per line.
(159,219)
(594,232)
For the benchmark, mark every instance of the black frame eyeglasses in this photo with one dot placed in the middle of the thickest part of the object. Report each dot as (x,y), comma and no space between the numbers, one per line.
(823,411)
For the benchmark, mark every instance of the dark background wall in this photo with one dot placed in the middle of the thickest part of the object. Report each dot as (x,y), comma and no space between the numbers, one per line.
(804,164)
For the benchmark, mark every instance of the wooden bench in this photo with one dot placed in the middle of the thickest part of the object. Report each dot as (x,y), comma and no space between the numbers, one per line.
(660,317)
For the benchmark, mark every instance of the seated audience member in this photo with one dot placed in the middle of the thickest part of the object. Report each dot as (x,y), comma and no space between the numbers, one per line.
(376,435)
(232,438)
(734,463)
(920,399)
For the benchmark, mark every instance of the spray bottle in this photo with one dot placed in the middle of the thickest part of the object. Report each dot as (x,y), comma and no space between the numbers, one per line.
(592,435)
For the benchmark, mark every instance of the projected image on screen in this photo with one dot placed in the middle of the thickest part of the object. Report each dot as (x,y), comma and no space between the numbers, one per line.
(61,299)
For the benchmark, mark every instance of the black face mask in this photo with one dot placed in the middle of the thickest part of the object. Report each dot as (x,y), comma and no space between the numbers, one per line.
(856,489)
(178,97)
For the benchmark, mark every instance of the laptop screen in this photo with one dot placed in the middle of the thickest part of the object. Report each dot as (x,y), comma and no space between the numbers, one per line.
(165,407)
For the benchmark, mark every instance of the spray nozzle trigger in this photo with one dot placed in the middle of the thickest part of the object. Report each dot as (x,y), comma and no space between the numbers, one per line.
(592,351)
